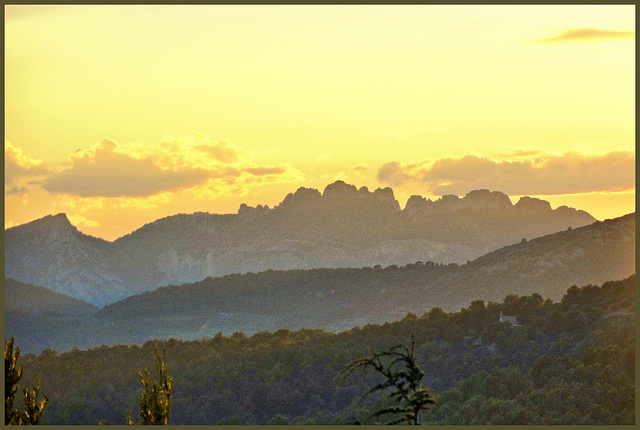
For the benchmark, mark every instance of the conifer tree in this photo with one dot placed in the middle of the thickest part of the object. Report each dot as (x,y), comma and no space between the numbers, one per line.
(11,377)
(33,407)
(155,399)
(403,375)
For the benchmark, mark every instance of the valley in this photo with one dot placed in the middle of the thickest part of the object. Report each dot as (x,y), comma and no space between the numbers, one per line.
(336,299)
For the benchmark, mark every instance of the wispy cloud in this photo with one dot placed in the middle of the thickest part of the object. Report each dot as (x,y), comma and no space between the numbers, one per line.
(523,153)
(587,35)
(569,173)
(361,167)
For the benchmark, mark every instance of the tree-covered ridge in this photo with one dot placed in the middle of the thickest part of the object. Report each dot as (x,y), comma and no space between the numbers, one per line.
(570,362)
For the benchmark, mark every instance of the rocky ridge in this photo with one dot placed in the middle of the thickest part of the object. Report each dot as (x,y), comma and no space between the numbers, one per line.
(341,227)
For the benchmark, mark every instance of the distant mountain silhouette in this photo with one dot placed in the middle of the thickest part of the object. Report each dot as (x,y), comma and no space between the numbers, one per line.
(341,227)
(338,299)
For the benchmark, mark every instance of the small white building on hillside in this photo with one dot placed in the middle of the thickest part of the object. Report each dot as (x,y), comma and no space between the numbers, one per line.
(511,319)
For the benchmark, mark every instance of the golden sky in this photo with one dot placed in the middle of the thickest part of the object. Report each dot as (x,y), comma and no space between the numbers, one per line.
(119,115)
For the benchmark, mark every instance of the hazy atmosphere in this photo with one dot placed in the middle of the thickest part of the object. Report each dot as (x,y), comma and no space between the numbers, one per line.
(320,215)
(120,115)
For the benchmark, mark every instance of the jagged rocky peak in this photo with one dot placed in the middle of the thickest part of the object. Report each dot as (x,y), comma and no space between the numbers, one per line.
(446,203)
(448,200)
(246,212)
(340,190)
(385,195)
(58,220)
(416,202)
(485,199)
(49,222)
(577,213)
(337,191)
(530,204)
(364,192)
(301,195)
(477,199)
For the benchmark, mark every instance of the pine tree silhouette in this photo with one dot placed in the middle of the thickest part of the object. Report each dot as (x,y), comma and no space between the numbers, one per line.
(403,375)
(33,407)
(155,399)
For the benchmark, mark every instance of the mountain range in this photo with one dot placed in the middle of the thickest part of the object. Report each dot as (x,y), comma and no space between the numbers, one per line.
(341,227)
(340,298)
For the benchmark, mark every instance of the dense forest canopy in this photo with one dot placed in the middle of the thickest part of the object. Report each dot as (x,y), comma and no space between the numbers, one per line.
(570,362)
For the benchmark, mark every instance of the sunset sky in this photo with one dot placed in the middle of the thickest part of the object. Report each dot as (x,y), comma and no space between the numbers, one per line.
(119,115)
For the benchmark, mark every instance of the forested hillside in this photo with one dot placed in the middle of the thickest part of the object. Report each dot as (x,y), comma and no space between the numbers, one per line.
(570,362)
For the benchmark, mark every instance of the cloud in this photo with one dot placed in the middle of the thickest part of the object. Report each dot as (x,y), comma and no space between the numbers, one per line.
(570,173)
(81,204)
(142,176)
(196,150)
(21,170)
(103,172)
(144,203)
(522,153)
(250,177)
(135,170)
(359,167)
(222,151)
(587,35)
(13,189)
(394,173)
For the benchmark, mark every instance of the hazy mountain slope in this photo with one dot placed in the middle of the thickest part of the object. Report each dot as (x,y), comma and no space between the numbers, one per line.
(37,300)
(52,253)
(337,299)
(603,250)
(587,255)
(341,227)
(42,318)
